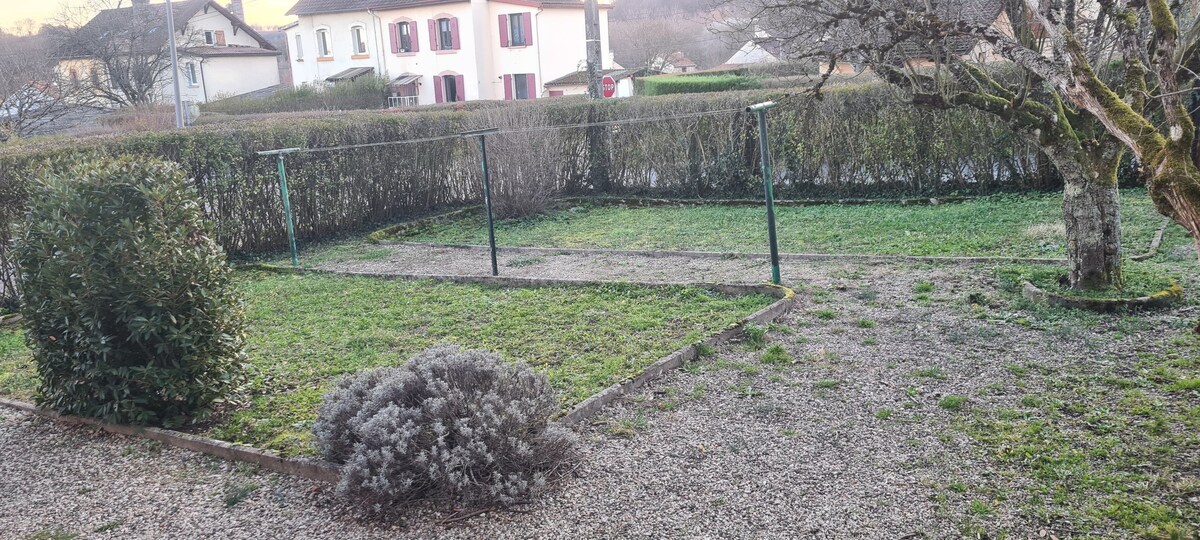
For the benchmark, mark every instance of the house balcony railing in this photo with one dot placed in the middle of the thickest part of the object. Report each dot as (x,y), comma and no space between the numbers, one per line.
(402,101)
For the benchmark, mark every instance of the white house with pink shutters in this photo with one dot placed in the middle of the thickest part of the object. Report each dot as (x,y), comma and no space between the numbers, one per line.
(440,51)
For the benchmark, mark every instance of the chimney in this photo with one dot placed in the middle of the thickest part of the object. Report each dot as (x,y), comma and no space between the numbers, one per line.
(235,7)
(139,3)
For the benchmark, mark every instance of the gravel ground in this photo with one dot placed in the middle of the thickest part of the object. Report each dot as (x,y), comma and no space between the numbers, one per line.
(729,447)
(418,259)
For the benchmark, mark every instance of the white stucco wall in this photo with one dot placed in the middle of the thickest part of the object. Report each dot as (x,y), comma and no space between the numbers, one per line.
(312,69)
(225,76)
(558,46)
(430,63)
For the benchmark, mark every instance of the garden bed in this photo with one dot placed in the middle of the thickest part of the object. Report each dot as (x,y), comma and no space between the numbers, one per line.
(306,331)
(1028,226)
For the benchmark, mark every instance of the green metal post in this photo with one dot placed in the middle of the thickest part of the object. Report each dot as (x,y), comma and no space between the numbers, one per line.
(287,209)
(768,183)
(487,191)
(487,201)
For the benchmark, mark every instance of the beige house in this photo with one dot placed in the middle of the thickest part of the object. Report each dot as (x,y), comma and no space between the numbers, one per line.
(439,51)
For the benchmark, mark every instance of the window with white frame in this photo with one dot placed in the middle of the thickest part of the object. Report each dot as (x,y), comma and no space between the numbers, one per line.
(516,30)
(405,31)
(209,38)
(445,35)
(299,50)
(323,49)
(521,86)
(358,38)
(189,72)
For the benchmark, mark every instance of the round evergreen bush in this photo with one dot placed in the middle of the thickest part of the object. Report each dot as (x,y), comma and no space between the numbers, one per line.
(129,304)
(451,426)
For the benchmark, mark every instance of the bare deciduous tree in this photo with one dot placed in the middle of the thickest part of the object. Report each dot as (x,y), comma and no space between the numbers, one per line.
(32,96)
(1092,80)
(121,51)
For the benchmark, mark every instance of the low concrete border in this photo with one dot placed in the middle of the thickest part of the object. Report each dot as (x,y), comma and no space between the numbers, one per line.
(592,405)
(324,471)
(321,471)
(1161,299)
(1155,243)
(654,253)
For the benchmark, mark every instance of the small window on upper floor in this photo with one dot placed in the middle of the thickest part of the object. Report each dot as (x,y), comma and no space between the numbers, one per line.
(516,30)
(323,49)
(209,38)
(405,31)
(358,38)
(445,35)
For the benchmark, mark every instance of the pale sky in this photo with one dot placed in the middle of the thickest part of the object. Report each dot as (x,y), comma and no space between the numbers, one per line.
(258,12)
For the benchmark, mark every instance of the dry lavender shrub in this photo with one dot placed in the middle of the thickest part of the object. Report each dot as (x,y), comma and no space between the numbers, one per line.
(451,426)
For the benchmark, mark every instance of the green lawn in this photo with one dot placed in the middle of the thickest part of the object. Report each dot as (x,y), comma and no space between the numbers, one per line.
(1109,451)
(1003,225)
(306,331)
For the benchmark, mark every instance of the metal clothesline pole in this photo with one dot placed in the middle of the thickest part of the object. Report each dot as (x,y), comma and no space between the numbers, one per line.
(768,182)
(287,199)
(487,190)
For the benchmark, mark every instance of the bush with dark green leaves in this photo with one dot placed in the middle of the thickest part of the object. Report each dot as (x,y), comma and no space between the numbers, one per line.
(129,304)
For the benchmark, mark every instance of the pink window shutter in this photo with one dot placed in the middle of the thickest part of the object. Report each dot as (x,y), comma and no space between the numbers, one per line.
(395,30)
(439,96)
(457,43)
(460,85)
(433,35)
(527,25)
(504,30)
(508,87)
(531,86)
(412,37)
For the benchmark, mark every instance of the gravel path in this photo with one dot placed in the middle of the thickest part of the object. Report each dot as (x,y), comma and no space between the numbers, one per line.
(847,441)
(418,259)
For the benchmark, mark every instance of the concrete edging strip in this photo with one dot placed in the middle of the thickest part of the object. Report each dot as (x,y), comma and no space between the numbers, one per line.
(592,405)
(312,469)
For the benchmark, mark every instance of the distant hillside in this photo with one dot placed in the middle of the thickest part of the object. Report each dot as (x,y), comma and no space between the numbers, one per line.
(642,30)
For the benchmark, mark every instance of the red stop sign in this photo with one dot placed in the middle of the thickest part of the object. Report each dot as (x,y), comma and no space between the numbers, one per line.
(609,85)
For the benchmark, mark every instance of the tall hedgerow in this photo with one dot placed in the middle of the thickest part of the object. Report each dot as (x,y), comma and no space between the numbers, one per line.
(129,304)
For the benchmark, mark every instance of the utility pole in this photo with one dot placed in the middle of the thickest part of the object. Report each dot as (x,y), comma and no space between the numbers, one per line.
(174,63)
(591,15)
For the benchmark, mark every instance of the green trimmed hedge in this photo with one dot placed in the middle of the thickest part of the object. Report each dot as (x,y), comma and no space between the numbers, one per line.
(696,84)
(858,141)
